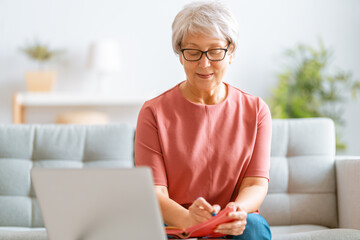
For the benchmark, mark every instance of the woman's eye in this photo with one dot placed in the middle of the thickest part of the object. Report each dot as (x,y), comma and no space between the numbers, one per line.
(215,52)
(193,53)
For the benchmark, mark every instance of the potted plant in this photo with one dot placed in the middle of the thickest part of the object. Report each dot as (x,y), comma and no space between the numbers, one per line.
(308,88)
(40,80)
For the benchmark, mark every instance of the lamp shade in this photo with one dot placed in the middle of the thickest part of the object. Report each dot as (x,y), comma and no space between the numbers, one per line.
(104,56)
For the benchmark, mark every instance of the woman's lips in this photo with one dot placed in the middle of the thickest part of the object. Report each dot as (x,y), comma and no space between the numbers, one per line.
(205,76)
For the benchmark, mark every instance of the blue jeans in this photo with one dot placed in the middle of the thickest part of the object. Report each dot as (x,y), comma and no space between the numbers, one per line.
(256,228)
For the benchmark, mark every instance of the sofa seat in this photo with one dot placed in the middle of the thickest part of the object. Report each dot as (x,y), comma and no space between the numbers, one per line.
(296,232)
(22,233)
(281,230)
(312,232)
(307,234)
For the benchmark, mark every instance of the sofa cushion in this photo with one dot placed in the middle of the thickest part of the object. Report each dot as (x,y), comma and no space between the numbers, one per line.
(19,233)
(282,230)
(329,234)
(23,147)
(302,188)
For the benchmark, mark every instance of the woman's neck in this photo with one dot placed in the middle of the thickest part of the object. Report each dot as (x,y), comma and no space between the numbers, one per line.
(212,96)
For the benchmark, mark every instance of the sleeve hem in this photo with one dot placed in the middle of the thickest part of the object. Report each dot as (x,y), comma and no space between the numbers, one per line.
(160,184)
(258,175)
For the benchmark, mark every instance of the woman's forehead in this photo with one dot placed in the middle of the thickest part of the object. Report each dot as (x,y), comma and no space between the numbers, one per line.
(201,40)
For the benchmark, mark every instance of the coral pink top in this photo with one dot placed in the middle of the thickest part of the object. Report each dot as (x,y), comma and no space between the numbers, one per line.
(204,150)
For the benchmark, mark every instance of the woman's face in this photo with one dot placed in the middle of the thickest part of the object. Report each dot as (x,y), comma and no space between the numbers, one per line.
(205,74)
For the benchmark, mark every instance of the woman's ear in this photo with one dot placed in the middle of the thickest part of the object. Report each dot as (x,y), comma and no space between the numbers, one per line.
(181,59)
(231,53)
(232,56)
(180,54)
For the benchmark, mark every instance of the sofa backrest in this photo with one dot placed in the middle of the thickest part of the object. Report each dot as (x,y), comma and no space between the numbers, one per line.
(302,188)
(302,174)
(23,147)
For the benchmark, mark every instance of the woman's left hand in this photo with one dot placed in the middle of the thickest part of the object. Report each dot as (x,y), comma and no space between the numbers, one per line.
(236,227)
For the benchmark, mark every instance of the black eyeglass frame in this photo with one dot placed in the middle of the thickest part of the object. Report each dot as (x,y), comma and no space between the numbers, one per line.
(206,52)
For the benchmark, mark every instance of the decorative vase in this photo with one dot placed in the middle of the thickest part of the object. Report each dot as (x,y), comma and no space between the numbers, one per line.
(40,81)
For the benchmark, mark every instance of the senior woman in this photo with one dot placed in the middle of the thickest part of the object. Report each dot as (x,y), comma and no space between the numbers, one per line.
(207,142)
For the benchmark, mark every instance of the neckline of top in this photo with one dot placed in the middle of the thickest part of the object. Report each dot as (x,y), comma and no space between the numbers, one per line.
(205,105)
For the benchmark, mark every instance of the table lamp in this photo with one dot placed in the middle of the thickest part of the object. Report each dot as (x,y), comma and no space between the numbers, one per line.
(104,59)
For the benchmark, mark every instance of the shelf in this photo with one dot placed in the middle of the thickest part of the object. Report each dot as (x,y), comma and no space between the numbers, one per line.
(74,99)
(56,99)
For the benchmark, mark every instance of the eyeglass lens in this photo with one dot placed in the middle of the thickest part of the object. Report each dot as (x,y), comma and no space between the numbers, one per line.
(213,54)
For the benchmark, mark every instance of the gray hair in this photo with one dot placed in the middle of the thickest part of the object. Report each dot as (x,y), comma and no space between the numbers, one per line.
(210,18)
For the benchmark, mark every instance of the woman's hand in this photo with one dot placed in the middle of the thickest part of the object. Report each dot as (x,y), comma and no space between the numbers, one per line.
(201,211)
(236,227)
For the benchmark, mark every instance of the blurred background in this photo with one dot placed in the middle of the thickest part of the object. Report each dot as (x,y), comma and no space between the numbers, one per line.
(147,64)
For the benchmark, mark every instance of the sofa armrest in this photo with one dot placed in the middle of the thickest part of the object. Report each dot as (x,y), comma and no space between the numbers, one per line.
(348,191)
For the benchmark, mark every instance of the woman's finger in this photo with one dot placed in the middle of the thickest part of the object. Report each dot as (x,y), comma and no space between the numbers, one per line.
(201,216)
(203,204)
(231,225)
(233,228)
(235,206)
(201,210)
(234,232)
(199,213)
(238,215)
(216,208)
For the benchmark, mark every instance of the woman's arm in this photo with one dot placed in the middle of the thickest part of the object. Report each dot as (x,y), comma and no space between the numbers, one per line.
(176,215)
(251,194)
(173,213)
(252,190)
(148,152)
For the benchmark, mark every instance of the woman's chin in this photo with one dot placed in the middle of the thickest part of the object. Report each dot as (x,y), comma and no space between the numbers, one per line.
(206,84)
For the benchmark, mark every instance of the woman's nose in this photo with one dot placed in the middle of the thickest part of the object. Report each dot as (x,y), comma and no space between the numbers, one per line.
(204,61)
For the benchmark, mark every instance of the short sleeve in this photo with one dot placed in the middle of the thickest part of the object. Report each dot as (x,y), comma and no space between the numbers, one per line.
(260,160)
(147,145)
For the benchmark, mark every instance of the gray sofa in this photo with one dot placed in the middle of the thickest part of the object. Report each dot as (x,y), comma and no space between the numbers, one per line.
(311,195)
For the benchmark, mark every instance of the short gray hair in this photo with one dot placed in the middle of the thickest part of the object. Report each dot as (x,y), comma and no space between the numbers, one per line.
(210,18)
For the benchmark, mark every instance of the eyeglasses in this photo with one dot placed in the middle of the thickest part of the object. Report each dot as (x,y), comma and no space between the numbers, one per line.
(193,55)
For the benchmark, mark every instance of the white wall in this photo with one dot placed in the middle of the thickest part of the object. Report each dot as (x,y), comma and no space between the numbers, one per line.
(267,28)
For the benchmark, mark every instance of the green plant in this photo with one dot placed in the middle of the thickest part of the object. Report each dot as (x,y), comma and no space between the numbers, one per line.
(307,88)
(40,52)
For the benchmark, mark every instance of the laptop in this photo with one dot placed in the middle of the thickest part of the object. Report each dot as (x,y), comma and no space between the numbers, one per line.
(98,204)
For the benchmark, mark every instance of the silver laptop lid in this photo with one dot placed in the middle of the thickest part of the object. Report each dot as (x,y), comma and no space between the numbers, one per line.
(89,204)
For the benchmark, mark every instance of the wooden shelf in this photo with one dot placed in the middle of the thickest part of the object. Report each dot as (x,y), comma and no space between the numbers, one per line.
(73,99)
(25,99)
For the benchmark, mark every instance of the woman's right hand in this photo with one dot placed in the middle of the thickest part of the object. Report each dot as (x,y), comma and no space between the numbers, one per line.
(201,211)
